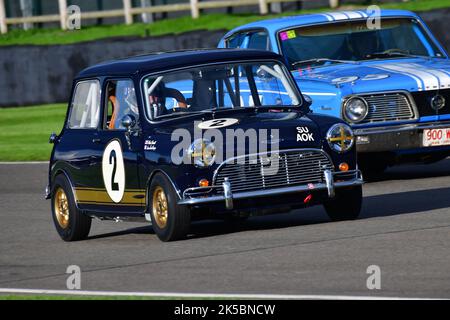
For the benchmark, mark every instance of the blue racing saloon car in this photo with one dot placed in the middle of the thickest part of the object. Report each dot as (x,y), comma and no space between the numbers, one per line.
(180,136)
(382,72)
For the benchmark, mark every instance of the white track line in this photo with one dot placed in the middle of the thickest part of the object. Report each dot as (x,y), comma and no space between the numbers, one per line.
(200,295)
(23,162)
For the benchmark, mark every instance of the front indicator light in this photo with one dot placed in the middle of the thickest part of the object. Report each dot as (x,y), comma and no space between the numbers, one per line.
(343,167)
(203,183)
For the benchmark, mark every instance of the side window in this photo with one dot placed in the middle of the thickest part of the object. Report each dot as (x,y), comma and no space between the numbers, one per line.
(259,41)
(235,41)
(120,101)
(85,108)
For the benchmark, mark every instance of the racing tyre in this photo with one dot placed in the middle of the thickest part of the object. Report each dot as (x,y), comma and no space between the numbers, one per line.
(70,223)
(170,221)
(346,205)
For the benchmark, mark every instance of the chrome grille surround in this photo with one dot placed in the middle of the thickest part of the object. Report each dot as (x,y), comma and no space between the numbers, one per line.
(393,106)
(255,172)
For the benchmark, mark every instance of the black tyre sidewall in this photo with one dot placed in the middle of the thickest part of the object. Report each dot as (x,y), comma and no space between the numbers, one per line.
(172,231)
(79,224)
(346,206)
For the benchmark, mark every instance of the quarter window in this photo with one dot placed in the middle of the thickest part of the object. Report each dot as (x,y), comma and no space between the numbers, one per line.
(85,108)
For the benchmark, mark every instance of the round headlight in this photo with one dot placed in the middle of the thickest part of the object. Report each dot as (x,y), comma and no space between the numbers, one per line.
(202,152)
(340,138)
(355,109)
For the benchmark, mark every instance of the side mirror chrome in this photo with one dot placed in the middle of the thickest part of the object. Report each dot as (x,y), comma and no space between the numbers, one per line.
(307,101)
(128,122)
(53,138)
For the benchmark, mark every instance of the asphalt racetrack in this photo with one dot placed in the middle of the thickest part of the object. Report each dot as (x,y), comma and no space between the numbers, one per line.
(404,229)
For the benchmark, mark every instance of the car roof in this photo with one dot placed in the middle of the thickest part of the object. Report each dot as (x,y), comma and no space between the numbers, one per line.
(316,18)
(149,63)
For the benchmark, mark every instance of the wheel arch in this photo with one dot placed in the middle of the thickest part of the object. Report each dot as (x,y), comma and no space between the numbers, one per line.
(55,174)
(149,182)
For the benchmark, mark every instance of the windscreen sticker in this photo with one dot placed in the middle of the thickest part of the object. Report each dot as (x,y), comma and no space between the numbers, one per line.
(286,35)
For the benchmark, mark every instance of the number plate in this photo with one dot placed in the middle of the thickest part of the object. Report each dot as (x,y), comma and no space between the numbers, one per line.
(436,137)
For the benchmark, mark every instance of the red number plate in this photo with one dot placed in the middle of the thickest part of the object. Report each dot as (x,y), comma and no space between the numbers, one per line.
(436,137)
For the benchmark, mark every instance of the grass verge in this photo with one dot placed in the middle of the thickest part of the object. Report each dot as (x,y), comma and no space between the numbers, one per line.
(178,25)
(25,131)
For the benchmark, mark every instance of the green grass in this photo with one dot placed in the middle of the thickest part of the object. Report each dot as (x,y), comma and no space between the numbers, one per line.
(25,131)
(175,26)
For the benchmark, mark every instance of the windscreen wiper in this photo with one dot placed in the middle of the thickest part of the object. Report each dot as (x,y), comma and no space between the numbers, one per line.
(394,53)
(318,60)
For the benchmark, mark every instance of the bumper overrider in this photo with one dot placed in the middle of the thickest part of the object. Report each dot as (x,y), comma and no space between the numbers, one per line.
(223,193)
(394,138)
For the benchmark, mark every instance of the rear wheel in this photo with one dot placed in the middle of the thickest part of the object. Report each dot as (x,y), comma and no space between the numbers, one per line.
(70,223)
(346,205)
(170,221)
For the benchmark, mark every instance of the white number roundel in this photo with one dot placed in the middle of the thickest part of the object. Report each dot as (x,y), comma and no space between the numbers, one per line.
(114,171)
(217,123)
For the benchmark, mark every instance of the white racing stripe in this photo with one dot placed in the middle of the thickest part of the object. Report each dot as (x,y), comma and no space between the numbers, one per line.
(430,81)
(200,295)
(444,78)
(353,14)
(412,76)
(338,16)
(329,18)
(364,14)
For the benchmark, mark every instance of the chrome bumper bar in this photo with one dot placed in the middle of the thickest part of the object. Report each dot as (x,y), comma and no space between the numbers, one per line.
(401,128)
(227,197)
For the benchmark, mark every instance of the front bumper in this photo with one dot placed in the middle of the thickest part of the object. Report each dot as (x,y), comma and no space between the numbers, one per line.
(205,195)
(394,138)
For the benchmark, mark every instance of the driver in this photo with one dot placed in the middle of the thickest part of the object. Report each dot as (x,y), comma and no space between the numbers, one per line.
(362,44)
(157,99)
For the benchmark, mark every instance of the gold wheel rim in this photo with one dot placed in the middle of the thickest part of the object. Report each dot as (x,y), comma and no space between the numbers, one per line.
(61,208)
(160,207)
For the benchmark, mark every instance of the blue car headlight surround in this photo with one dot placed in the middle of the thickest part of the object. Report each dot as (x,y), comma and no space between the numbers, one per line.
(340,138)
(355,109)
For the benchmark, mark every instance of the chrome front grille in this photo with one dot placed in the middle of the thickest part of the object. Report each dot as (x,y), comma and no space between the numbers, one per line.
(388,107)
(298,167)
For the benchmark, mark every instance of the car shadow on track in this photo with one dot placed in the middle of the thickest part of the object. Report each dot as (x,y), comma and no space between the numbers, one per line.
(384,205)
(138,230)
(418,171)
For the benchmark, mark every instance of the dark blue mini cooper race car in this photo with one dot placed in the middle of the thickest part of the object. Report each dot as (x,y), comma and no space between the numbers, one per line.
(192,135)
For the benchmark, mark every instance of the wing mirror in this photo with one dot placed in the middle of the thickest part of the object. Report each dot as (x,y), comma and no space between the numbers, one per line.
(128,122)
(53,138)
(307,99)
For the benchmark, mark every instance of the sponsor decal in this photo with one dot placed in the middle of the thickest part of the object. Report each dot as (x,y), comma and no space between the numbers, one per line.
(150,145)
(304,135)
(370,77)
(113,170)
(344,79)
(286,35)
(217,123)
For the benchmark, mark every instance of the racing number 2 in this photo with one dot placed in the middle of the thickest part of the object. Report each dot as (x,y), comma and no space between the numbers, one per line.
(113,162)
(113,170)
